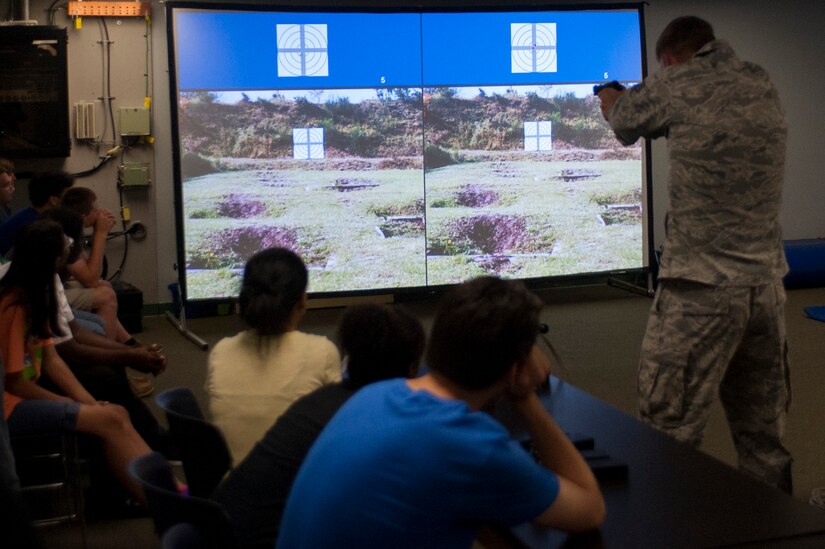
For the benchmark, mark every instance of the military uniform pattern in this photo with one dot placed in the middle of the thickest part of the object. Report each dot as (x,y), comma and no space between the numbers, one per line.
(717,322)
(706,340)
(726,134)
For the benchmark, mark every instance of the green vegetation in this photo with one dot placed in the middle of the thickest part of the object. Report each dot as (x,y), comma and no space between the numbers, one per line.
(390,126)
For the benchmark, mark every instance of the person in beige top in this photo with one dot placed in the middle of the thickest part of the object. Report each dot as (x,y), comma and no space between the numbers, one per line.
(255,375)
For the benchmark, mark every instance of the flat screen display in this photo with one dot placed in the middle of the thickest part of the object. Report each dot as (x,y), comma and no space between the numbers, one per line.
(403,149)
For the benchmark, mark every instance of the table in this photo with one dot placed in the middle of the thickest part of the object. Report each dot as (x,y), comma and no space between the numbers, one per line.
(674,496)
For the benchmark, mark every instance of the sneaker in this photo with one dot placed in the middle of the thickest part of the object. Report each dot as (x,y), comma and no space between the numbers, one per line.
(142,384)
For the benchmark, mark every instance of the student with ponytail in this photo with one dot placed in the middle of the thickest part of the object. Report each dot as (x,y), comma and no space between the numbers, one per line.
(255,375)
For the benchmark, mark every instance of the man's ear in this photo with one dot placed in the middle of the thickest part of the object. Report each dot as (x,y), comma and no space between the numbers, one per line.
(667,59)
(512,374)
(302,303)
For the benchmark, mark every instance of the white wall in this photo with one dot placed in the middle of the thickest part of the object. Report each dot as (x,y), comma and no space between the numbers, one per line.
(784,38)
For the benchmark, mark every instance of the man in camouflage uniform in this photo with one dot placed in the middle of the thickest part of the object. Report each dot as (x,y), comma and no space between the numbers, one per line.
(717,321)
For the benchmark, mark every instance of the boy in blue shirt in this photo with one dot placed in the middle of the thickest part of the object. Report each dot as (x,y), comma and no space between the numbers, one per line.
(416,463)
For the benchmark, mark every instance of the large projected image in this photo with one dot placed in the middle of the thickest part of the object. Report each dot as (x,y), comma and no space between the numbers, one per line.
(527,182)
(335,176)
(401,167)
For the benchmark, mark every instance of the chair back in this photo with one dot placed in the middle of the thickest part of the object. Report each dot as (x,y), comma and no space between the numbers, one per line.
(170,508)
(183,536)
(205,455)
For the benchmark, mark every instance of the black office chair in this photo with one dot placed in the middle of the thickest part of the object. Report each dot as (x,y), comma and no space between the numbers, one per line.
(169,508)
(204,452)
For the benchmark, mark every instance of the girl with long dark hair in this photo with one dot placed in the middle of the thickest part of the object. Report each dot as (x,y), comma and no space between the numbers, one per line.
(28,321)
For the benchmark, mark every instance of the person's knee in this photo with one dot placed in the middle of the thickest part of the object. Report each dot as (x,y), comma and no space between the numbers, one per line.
(105,297)
(115,419)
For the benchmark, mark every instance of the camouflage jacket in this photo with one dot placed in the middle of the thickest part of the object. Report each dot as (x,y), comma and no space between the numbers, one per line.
(726,135)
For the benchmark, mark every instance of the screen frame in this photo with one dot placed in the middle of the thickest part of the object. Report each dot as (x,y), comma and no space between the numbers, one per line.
(648,270)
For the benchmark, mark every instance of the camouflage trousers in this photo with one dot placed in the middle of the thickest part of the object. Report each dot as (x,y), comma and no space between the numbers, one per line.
(706,340)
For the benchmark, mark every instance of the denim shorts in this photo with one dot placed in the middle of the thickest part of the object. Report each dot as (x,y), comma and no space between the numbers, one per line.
(43,416)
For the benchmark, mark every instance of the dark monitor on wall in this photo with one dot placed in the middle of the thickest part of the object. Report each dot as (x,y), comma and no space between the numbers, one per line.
(404,148)
(34,105)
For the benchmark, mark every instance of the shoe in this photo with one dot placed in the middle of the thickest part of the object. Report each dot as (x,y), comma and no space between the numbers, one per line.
(142,384)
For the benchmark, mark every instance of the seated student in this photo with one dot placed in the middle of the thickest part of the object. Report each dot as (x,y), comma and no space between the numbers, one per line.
(416,463)
(28,321)
(85,289)
(98,363)
(45,191)
(94,356)
(255,375)
(377,342)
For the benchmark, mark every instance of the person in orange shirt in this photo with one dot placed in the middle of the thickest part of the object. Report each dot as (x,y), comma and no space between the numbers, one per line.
(28,320)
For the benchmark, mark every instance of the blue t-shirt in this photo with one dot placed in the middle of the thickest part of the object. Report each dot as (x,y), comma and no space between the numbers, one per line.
(403,468)
(12,225)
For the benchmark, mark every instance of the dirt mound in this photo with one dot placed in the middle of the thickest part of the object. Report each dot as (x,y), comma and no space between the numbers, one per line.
(240,206)
(232,247)
(481,234)
(475,196)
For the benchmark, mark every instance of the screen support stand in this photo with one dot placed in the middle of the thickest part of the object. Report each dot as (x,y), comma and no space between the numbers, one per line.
(635,288)
(180,324)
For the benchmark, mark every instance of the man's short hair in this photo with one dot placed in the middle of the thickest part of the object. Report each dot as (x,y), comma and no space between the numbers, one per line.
(481,329)
(46,185)
(6,166)
(684,36)
(379,342)
(72,224)
(79,199)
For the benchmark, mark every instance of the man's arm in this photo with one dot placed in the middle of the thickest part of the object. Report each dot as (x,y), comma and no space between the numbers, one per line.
(640,111)
(579,505)
(60,374)
(87,346)
(88,269)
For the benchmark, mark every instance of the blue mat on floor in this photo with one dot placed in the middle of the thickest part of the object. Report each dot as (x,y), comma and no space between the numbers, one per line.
(817,313)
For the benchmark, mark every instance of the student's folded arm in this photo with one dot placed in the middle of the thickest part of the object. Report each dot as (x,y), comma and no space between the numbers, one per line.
(62,376)
(82,273)
(575,509)
(19,386)
(579,505)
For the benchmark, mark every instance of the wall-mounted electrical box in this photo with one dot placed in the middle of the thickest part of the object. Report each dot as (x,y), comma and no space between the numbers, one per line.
(134,174)
(134,121)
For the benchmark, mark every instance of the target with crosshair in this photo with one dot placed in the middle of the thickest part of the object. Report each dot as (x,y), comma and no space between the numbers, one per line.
(302,50)
(538,135)
(307,143)
(533,47)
